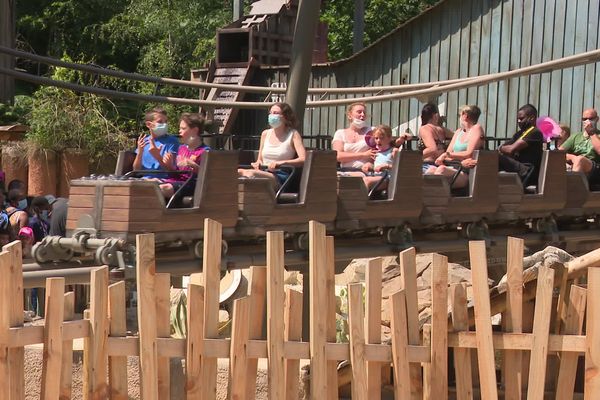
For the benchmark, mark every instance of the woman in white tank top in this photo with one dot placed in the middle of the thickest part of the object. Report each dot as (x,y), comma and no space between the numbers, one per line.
(280,145)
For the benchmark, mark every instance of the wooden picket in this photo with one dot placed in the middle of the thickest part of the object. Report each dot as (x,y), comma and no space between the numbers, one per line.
(419,357)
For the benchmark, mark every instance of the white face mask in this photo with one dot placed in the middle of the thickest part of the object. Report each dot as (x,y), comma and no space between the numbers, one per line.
(160,129)
(359,123)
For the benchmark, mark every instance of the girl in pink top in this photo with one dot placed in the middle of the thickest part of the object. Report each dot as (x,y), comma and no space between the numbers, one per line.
(188,156)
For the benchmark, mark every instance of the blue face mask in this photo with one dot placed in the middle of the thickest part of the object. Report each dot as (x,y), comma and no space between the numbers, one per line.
(274,120)
(22,204)
(44,215)
(160,130)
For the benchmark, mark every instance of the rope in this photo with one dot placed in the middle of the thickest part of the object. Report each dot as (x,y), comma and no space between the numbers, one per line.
(562,63)
(210,85)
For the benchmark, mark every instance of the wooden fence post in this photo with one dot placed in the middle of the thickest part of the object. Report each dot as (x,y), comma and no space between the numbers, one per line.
(238,354)
(293,332)
(439,327)
(16,355)
(573,326)
(462,357)
(275,315)
(66,372)
(513,317)
(162,291)
(541,332)
(5,367)
(483,317)
(117,365)
(97,354)
(408,276)
(211,273)
(356,322)
(53,342)
(592,355)
(318,318)
(332,374)
(257,294)
(402,380)
(373,324)
(145,271)
(195,342)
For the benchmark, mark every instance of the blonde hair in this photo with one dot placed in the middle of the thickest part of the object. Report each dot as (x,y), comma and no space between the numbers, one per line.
(566,128)
(355,104)
(472,112)
(385,130)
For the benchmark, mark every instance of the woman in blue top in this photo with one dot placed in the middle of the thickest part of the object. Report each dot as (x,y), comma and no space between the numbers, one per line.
(464,142)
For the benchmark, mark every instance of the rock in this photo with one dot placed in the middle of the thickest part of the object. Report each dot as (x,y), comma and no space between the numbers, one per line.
(551,257)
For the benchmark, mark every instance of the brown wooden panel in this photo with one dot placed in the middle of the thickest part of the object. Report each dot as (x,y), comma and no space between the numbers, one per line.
(77,200)
(144,202)
(81,190)
(130,214)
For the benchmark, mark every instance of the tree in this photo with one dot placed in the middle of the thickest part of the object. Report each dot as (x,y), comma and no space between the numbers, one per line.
(381,16)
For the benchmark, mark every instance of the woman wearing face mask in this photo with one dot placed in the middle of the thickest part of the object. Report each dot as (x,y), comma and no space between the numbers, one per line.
(352,144)
(189,154)
(279,145)
(40,221)
(17,211)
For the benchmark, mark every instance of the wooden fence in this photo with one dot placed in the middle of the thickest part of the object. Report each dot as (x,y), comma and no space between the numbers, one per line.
(419,358)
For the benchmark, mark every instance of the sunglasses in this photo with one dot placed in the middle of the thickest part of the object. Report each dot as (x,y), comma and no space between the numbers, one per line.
(589,119)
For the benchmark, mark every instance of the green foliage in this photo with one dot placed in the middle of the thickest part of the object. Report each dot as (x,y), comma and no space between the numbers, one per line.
(62,119)
(381,17)
(17,113)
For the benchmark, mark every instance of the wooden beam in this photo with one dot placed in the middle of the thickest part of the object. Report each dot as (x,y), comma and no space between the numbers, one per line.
(439,327)
(356,322)
(481,298)
(16,355)
(98,356)
(66,371)
(117,365)
(275,315)
(53,341)
(513,317)
(145,274)
(462,356)
(373,324)
(402,380)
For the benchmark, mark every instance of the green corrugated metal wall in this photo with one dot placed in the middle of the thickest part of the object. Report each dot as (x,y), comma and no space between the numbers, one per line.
(462,38)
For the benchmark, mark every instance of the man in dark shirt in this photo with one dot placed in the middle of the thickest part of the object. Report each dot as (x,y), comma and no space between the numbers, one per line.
(523,152)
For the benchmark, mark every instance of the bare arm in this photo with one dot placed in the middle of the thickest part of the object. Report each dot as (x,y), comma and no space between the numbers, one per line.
(595,142)
(345,156)
(474,143)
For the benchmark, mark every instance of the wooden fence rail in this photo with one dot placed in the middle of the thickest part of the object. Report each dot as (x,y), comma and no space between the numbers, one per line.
(419,359)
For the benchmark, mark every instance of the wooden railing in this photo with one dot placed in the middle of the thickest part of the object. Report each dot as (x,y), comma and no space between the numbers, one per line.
(419,358)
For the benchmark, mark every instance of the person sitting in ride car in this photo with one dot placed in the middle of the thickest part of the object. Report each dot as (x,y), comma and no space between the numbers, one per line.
(432,135)
(382,136)
(352,144)
(188,156)
(157,150)
(280,145)
(583,148)
(464,142)
(523,152)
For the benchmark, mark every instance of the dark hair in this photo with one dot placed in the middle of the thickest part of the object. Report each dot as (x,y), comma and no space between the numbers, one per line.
(193,120)
(149,117)
(530,110)
(16,184)
(39,202)
(427,112)
(288,113)
(14,195)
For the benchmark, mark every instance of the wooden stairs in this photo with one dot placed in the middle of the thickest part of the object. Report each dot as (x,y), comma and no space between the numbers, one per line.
(224,117)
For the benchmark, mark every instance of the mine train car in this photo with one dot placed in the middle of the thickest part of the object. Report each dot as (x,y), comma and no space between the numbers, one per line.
(106,214)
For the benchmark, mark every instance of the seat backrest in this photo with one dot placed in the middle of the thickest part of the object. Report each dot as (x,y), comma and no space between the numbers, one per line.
(124,162)
(217,183)
(552,176)
(319,165)
(483,179)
